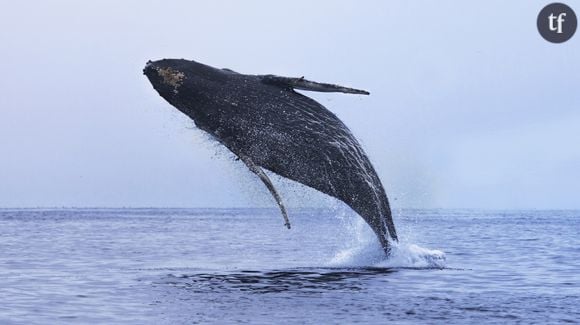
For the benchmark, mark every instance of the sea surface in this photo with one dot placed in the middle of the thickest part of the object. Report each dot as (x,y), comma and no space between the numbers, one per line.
(187,266)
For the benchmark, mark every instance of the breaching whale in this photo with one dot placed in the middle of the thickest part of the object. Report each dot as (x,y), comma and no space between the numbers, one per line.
(268,125)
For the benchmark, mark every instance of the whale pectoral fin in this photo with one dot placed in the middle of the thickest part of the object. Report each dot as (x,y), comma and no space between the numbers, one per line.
(303,84)
(260,173)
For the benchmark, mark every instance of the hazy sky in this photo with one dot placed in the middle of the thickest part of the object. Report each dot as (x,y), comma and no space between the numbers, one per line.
(469,106)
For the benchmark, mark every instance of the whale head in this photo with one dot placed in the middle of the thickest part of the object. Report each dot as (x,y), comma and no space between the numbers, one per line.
(190,86)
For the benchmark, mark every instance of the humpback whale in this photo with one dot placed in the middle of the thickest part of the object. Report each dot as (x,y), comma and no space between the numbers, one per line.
(268,125)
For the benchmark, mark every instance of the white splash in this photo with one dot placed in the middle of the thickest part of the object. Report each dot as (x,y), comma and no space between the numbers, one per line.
(412,255)
(364,250)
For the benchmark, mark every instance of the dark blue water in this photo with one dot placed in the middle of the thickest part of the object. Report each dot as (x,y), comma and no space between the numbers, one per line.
(168,266)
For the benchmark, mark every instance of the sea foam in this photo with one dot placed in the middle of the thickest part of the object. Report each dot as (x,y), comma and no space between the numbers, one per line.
(364,250)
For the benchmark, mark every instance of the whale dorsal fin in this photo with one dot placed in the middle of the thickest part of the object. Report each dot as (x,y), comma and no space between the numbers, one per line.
(260,173)
(229,70)
(303,84)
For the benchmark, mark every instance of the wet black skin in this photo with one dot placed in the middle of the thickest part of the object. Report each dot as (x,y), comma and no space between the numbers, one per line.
(263,119)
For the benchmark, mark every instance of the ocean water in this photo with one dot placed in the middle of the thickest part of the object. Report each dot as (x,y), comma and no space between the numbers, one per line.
(187,266)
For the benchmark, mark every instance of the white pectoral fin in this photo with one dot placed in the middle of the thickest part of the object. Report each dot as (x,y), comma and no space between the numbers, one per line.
(260,173)
(303,84)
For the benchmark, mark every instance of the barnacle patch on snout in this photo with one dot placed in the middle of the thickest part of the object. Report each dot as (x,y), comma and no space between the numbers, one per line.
(171,77)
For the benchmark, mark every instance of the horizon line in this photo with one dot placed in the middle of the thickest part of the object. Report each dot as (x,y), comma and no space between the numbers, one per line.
(267,208)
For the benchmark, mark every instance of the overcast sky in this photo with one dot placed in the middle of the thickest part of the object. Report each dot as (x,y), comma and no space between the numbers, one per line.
(469,106)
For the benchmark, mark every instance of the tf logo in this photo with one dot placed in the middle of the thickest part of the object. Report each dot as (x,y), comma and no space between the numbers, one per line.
(557,23)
